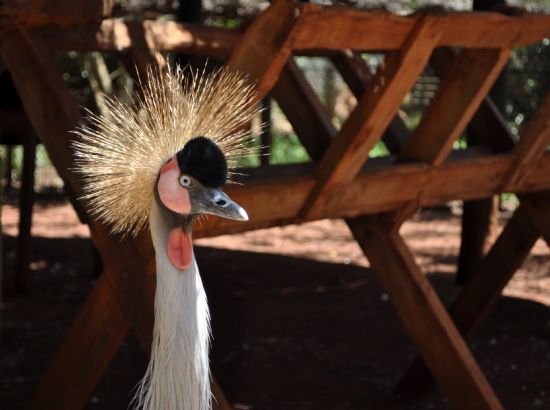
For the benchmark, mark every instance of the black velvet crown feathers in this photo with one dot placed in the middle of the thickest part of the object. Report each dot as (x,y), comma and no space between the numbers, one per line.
(204,160)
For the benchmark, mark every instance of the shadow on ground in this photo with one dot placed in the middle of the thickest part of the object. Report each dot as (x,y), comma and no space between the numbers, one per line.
(289,333)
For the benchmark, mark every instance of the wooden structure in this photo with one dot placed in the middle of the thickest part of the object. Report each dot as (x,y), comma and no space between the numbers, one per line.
(374,196)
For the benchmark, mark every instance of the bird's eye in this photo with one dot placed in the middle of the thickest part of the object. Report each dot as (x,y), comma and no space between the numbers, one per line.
(185,181)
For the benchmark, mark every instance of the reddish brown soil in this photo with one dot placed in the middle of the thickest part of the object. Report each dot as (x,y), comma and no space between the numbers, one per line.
(299,320)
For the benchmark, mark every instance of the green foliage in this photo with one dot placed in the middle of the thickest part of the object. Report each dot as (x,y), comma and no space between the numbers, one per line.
(379,150)
(42,158)
(413,119)
(287,149)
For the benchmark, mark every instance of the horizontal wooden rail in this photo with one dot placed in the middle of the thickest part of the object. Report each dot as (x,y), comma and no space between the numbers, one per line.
(350,29)
(381,30)
(379,188)
(115,35)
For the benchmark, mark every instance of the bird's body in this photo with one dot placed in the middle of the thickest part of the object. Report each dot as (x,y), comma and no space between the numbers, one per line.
(162,162)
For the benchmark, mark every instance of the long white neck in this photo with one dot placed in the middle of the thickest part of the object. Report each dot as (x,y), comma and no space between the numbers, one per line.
(177,377)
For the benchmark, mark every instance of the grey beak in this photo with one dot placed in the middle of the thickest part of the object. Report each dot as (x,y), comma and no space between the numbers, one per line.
(214,201)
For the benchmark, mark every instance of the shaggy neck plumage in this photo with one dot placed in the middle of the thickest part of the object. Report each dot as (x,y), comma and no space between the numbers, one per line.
(177,377)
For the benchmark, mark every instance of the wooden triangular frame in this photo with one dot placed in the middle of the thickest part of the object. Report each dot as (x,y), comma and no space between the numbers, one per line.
(123,294)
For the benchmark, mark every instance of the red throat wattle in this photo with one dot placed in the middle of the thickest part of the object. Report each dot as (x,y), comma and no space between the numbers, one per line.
(179,248)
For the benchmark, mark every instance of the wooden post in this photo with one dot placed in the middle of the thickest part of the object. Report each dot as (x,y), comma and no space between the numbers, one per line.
(26,200)
(410,291)
(479,217)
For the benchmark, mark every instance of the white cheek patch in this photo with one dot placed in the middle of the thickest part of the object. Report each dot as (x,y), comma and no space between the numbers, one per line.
(172,195)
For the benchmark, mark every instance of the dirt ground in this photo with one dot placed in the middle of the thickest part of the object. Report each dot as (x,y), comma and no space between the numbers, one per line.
(299,319)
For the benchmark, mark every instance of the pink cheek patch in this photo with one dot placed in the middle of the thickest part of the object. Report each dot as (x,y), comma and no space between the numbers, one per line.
(179,249)
(171,193)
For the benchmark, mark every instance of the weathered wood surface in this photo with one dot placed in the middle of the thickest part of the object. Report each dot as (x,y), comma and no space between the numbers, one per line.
(488,126)
(475,388)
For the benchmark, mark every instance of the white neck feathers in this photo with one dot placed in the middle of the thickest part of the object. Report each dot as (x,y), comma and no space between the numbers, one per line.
(177,377)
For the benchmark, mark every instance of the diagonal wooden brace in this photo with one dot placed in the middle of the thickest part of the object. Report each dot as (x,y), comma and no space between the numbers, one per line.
(124,293)
(423,314)
(370,118)
(265,46)
(415,300)
(460,94)
(530,220)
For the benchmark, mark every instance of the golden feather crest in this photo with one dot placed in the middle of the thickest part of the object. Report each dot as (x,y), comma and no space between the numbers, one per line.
(119,155)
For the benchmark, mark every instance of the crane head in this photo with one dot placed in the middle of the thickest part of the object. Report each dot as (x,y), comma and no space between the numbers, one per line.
(190,182)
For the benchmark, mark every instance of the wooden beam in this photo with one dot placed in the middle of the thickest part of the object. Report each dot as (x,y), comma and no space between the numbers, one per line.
(53,113)
(486,284)
(487,126)
(264,47)
(382,187)
(125,291)
(143,56)
(424,316)
(20,54)
(113,35)
(459,95)
(356,74)
(25,13)
(308,117)
(370,118)
(85,352)
(531,146)
(380,30)
(349,29)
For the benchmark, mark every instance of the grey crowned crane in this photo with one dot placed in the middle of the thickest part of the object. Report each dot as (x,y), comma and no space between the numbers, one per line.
(162,161)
